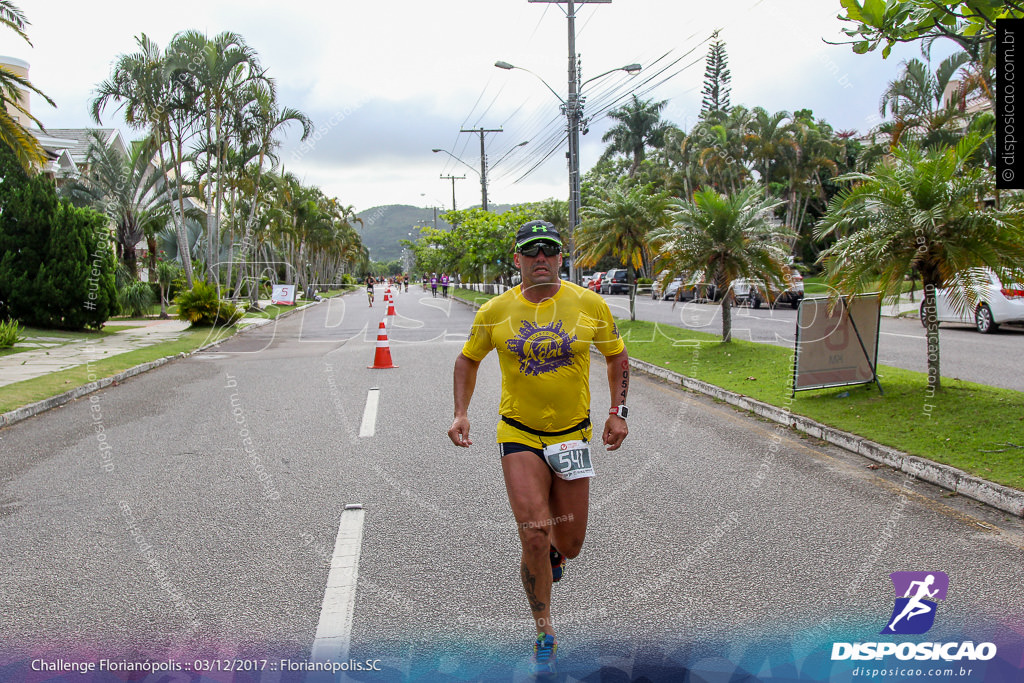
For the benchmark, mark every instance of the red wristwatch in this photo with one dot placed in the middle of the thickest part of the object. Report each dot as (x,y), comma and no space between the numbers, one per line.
(621,411)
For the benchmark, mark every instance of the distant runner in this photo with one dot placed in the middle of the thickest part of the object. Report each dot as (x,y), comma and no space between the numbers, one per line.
(369,289)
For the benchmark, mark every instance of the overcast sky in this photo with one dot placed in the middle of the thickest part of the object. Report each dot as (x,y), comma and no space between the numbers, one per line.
(385,82)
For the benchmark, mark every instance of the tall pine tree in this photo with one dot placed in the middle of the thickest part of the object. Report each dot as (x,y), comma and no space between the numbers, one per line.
(717,80)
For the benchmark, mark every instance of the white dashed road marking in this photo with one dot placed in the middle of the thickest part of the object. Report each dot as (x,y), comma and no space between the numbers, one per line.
(369,424)
(334,630)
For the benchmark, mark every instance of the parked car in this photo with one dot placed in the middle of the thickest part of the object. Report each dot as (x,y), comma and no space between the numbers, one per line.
(614,282)
(755,292)
(996,304)
(672,288)
(585,281)
(595,282)
(689,288)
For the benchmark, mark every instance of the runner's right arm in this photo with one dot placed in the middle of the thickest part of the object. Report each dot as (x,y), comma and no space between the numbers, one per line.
(465,383)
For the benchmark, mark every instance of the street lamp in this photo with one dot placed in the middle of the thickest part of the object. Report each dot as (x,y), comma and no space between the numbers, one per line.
(482,173)
(573,110)
(435,151)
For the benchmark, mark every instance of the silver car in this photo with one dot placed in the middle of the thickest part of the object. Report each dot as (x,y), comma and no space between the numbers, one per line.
(994,304)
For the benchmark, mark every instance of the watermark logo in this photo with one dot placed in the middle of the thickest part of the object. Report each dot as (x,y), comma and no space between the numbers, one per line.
(917,597)
(917,594)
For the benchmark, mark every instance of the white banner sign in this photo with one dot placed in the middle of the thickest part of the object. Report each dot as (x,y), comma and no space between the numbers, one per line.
(283,294)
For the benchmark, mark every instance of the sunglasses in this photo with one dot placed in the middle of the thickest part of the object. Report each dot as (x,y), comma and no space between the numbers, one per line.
(548,248)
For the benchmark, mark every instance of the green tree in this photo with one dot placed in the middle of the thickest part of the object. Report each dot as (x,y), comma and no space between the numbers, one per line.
(215,71)
(29,204)
(922,210)
(141,83)
(258,125)
(639,127)
(128,190)
(915,102)
(77,281)
(719,238)
(720,146)
(970,24)
(56,261)
(717,80)
(770,142)
(620,224)
(13,134)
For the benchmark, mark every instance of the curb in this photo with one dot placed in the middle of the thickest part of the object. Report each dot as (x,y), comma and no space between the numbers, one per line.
(996,495)
(32,409)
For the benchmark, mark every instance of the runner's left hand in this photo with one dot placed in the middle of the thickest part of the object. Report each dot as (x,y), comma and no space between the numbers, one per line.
(615,430)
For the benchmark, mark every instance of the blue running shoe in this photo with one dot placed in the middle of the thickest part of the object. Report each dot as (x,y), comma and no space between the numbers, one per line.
(557,565)
(544,654)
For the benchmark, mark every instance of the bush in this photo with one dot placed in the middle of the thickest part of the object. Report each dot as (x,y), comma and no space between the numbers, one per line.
(56,261)
(10,334)
(203,308)
(644,281)
(135,298)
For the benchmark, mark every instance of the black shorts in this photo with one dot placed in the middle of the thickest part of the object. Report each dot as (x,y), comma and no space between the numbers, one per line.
(511,447)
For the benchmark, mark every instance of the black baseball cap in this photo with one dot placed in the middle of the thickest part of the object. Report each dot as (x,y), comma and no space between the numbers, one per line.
(535,231)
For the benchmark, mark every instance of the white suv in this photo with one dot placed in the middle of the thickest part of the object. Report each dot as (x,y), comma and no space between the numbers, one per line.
(995,304)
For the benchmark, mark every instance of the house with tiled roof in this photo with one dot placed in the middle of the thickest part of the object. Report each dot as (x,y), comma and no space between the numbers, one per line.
(67,149)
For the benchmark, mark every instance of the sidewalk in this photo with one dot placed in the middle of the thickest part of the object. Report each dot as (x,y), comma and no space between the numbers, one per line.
(53,354)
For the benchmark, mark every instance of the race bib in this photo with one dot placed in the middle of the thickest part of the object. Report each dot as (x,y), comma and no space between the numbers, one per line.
(569,460)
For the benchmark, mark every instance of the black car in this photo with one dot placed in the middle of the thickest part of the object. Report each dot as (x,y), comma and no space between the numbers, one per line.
(614,282)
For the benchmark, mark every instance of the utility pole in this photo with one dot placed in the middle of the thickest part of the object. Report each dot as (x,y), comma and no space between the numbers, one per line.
(453,179)
(483,160)
(573,111)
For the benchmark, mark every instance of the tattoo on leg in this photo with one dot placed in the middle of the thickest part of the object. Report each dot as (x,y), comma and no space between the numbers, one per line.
(530,584)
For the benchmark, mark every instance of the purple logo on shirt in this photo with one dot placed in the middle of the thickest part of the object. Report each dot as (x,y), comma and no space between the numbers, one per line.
(541,348)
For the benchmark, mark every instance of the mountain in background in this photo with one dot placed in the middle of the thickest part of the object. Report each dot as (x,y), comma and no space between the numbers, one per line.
(384,226)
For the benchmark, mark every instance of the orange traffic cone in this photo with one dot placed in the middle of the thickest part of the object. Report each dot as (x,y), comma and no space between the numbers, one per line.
(382,357)
(391,305)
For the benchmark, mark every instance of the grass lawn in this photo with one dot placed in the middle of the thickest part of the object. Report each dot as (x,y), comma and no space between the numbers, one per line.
(961,425)
(815,286)
(470,295)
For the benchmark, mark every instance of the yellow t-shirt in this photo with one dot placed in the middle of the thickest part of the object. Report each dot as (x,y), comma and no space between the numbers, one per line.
(544,354)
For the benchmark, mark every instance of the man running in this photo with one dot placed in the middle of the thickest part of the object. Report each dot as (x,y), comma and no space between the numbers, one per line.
(433,285)
(542,331)
(369,289)
(444,285)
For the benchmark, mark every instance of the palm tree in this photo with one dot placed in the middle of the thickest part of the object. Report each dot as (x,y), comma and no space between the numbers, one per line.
(915,102)
(257,127)
(216,71)
(720,144)
(816,159)
(719,238)
(152,101)
(128,190)
(639,127)
(770,142)
(26,148)
(619,224)
(922,210)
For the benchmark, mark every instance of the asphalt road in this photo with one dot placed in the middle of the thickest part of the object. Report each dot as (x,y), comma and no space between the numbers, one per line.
(716,540)
(966,354)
